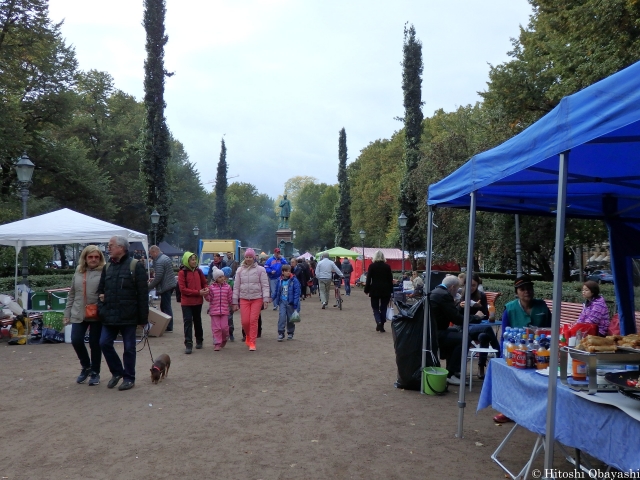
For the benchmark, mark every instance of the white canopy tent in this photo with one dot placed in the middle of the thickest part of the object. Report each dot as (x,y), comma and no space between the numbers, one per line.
(60,227)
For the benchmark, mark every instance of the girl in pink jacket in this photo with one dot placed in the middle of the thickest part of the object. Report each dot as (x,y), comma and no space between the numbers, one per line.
(220,297)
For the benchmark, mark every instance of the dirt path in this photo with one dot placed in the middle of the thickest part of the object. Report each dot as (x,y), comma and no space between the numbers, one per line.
(320,406)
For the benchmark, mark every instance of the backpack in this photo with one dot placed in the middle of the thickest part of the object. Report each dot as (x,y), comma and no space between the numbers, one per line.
(132,265)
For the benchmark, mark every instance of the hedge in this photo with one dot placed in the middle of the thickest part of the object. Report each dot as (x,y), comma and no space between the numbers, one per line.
(37,282)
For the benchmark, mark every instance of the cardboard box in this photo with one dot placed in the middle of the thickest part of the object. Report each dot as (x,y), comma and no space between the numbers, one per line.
(158,321)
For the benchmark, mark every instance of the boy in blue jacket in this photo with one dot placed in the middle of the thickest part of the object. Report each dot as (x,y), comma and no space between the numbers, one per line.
(287,294)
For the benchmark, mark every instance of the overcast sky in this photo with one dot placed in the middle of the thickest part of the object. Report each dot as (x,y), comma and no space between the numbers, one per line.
(280,78)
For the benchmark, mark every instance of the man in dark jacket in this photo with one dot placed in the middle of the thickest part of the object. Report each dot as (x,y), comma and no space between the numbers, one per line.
(123,305)
(347,270)
(164,281)
(444,312)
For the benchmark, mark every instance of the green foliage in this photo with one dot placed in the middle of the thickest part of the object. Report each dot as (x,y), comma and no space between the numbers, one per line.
(221,220)
(313,216)
(37,282)
(38,257)
(567,46)
(252,218)
(156,148)
(343,208)
(412,67)
(375,187)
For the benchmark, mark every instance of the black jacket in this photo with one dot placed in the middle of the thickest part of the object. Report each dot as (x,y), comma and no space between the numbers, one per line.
(379,280)
(443,308)
(126,299)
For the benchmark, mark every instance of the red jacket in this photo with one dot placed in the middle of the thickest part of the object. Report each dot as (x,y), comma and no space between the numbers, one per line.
(191,282)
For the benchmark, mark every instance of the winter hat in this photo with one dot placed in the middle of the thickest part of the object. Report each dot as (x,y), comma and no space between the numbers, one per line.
(226,271)
(249,253)
(217,273)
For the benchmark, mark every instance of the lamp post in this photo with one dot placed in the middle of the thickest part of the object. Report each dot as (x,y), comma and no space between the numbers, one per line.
(362,235)
(196,232)
(155,218)
(24,169)
(402,223)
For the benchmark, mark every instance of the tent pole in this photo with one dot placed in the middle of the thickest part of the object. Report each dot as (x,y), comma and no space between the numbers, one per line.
(518,248)
(427,291)
(467,312)
(15,280)
(563,168)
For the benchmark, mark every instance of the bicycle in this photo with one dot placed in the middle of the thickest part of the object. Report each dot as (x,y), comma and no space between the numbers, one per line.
(336,284)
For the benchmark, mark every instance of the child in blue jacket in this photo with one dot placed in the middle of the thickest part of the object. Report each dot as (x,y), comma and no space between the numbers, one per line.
(287,293)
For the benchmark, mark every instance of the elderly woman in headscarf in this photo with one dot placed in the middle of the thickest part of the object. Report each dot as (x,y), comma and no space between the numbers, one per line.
(250,295)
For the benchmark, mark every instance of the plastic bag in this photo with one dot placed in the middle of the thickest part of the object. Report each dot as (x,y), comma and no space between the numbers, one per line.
(390,313)
(407,328)
(295,317)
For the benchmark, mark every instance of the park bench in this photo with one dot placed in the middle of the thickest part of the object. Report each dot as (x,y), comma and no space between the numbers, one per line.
(569,313)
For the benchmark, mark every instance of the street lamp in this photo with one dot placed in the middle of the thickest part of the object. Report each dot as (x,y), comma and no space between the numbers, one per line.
(402,223)
(362,235)
(24,170)
(196,232)
(155,218)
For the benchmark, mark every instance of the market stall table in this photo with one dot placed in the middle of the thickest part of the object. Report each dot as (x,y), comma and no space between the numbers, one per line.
(603,431)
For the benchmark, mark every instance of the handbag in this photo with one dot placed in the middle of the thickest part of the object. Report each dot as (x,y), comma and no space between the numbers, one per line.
(90,309)
(295,317)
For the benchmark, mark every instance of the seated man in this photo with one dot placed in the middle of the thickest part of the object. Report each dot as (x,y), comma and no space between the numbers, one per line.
(522,312)
(444,312)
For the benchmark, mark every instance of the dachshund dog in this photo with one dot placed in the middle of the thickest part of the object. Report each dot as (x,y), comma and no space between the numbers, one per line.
(160,368)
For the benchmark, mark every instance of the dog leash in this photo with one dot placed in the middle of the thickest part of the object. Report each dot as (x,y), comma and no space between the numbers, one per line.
(145,341)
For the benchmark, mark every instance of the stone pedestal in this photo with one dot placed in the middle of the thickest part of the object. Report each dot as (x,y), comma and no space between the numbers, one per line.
(284,234)
(284,241)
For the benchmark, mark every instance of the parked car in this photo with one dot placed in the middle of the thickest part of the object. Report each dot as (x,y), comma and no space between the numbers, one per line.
(601,276)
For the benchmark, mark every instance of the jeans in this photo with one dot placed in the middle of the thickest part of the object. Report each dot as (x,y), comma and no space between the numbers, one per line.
(108,336)
(273,284)
(283,319)
(78,331)
(192,318)
(325,285)
(230,321)
(485,335)
(165,306)
(379,306)
(450,344)
(347,284)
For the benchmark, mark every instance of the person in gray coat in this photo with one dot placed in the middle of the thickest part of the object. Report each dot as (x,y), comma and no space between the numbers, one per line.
(347,270)
(164,281)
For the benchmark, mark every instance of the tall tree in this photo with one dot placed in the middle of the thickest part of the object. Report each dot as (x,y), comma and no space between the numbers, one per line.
(221,220)
(156,146)
(412,67)
(342,215)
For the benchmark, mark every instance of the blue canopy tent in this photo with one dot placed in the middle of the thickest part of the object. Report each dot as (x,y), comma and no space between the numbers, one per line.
(580,160)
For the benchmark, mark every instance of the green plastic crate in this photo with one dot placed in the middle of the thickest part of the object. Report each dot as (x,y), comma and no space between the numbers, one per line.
(59,300)
(40,301)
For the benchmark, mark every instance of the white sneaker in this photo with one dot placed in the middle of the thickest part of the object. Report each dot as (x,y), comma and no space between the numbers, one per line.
(453,380)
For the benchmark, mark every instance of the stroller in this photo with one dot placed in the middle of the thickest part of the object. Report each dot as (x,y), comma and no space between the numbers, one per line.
(407,329)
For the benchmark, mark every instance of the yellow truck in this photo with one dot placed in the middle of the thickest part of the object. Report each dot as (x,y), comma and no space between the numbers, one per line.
(207,247)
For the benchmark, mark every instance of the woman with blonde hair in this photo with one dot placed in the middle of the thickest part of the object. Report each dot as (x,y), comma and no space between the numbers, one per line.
(251,294)
(83,292)
(379,286)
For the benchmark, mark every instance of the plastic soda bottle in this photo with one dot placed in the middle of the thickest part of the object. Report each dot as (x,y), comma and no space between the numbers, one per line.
(492,313)
(542,357)
(520,354)
(531,355)
(579,369)
(511,348)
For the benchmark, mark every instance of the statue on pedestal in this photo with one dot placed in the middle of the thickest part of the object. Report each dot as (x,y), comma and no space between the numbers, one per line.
(285,212)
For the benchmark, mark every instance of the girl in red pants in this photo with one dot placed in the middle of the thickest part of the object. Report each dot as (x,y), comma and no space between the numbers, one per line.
(220,298)
(250,295)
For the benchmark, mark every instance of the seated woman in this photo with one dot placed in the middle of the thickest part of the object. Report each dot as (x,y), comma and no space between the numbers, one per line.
(483,334)
(595,309)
